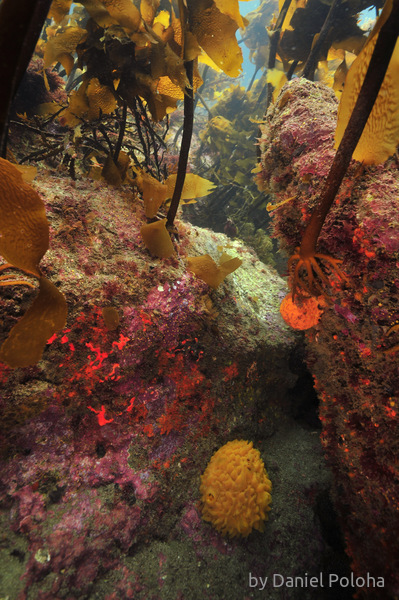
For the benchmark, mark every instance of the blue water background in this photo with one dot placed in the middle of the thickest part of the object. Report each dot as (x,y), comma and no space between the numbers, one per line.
(247,66)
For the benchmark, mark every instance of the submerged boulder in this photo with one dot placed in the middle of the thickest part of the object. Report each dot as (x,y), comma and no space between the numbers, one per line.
(353,351)
(104,440)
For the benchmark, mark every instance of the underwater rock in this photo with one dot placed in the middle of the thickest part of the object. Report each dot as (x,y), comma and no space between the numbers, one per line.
(353,351)
(104,440)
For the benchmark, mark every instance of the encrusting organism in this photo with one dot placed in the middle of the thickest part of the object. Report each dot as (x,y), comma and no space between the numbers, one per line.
(235,490)
(302,314)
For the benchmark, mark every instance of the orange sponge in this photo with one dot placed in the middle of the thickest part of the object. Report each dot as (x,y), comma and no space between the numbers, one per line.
(302,314)
(235,489)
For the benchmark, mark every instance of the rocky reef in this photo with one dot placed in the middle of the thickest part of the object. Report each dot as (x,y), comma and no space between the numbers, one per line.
(103,441)
(353,351)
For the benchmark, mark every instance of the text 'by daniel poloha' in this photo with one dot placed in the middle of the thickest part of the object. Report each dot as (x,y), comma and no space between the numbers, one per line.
(321,580)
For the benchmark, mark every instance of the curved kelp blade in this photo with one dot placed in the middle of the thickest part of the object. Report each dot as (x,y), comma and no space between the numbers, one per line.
(24,229)
(380,135)
(216,34)
(25,343)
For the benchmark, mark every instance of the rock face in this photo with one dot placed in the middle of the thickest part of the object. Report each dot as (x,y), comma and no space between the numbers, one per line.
(353,352)
(104,441)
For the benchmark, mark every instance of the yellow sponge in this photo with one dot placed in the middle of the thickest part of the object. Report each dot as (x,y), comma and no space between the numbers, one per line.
(235,489)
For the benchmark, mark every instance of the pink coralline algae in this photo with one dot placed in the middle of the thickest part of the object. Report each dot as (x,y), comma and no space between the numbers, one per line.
(353,351)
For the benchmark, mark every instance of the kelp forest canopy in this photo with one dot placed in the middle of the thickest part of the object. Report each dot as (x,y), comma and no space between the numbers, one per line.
(105,88)
(123,68)
(104,92)
(106,83)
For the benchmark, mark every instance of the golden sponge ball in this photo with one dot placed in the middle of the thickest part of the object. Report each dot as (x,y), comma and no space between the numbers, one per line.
(235,490)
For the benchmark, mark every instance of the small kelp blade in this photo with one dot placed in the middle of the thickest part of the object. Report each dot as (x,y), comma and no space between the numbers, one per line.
(205,268)
(111,317)
(154,192)
(157,239)
(194,186)
(26,340)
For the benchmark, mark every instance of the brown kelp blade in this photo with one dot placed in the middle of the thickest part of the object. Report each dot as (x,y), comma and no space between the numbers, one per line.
(26,340)
(24,229)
